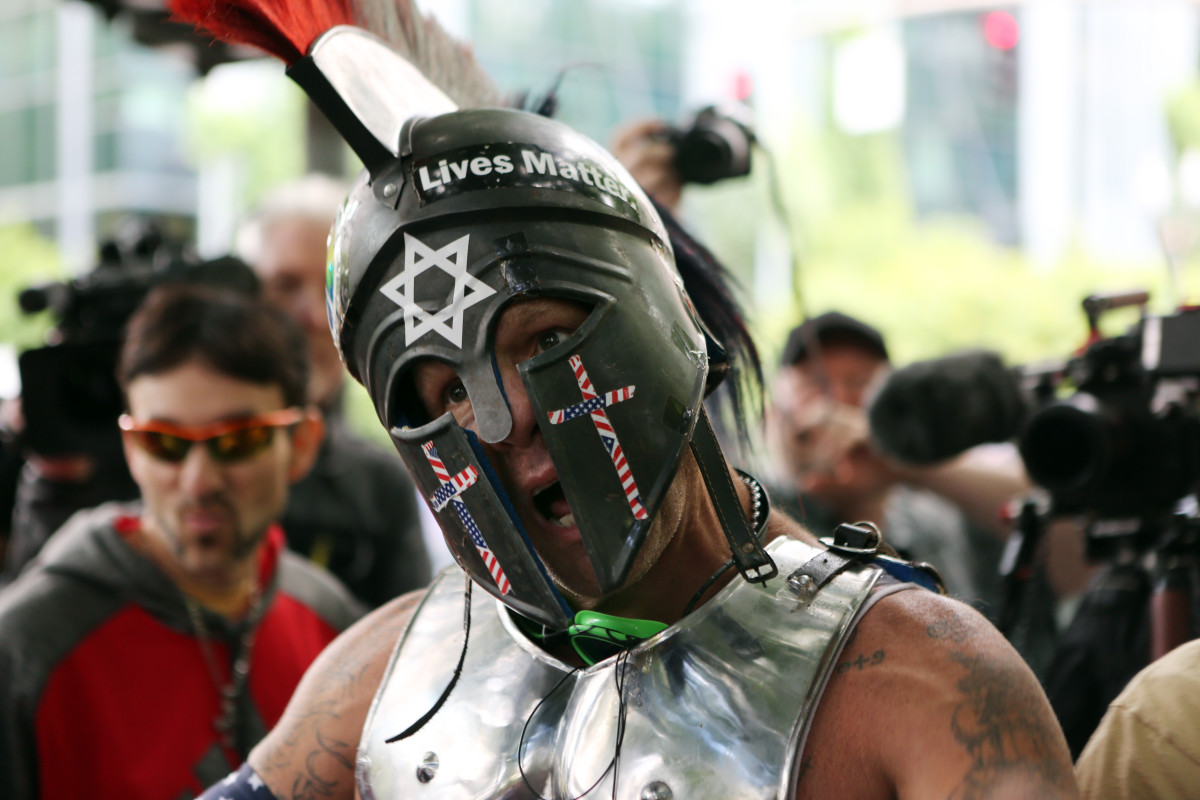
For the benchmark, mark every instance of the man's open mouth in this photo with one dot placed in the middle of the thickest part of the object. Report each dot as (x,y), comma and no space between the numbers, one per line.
(552,504)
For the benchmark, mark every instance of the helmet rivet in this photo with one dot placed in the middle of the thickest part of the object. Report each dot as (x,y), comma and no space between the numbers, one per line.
(803,585)
(389,189)
(747,548)
(427,768)
(657,790)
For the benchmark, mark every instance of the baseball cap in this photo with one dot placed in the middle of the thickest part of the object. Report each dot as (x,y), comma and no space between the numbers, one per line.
(832,326)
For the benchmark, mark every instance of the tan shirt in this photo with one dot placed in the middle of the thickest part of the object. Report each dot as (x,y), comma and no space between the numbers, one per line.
(1148,744)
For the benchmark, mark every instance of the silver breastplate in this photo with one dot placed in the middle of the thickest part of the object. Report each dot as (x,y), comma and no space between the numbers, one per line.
(716,706)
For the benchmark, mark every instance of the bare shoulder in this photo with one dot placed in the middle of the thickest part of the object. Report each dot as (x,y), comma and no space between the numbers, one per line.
(311,751)
(928,700)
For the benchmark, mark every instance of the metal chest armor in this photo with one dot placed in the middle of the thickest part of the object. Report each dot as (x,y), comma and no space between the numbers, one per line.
(716,706)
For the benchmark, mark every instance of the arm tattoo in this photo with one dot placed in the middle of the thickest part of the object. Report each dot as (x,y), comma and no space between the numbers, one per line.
(314,747)
(956,629)
(329,754)
(1003,725)
(317,773)
(861,662)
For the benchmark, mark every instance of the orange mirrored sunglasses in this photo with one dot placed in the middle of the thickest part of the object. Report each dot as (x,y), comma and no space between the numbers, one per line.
(227,441)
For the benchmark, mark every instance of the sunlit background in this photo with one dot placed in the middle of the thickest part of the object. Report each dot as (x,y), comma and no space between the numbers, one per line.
(961,174)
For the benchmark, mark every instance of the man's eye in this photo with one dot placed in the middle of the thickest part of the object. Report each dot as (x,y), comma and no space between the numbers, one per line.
(456,393)
(550,339)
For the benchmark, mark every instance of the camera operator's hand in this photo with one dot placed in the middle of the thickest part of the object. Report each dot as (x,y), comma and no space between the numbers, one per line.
(12,419)
(981,482)
(62,468)
(645,149)
(826,443)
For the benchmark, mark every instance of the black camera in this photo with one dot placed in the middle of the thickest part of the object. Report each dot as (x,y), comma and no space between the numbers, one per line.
(714,145)
(1123,446)
(69,393)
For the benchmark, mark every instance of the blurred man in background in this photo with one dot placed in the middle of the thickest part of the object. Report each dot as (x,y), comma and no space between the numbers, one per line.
(150,645)
(948,515)
(61,425)
(356,512)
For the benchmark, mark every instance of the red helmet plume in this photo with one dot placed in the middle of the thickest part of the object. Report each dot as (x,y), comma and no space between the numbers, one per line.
(283,28)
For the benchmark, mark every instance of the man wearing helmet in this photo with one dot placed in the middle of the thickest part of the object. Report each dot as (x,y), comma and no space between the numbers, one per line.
(512,303)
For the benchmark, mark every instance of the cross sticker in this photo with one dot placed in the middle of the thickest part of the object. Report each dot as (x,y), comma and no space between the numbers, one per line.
(593,405)
(448,493)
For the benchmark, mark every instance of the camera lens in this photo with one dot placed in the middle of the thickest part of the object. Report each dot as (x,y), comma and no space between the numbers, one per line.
(714,148)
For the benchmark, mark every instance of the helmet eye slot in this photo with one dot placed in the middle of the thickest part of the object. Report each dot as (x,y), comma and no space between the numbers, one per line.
(406,408)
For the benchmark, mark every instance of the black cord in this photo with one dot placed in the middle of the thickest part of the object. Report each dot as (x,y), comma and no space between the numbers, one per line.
(416,726)
(614,764)
(708,583)
(760,495)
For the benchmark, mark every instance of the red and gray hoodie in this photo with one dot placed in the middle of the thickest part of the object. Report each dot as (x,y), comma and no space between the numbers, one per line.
(105,690)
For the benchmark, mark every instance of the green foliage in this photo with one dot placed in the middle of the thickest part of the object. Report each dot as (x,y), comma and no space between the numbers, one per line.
(360,414)
(1183,116)
(29,259)
(263,130)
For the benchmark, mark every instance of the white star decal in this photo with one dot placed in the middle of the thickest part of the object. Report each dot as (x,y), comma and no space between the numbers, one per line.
(468,290)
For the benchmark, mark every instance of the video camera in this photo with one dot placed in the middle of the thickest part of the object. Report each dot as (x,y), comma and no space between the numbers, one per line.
(1124,447)
(70,398)
(1111,433)
(714,145)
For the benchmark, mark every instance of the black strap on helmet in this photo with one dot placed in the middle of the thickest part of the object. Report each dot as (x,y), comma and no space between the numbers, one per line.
(753,562)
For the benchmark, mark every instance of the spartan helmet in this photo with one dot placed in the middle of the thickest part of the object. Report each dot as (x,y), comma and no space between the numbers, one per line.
(457,216)
(487,208)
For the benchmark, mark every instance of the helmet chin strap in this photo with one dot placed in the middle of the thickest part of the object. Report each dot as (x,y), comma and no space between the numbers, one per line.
(753,562)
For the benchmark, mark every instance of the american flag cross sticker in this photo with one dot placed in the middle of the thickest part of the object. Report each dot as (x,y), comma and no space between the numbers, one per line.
(448,494)
(593,404)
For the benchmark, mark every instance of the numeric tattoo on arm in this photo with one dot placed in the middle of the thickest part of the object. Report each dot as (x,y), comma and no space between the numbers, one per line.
(861,662)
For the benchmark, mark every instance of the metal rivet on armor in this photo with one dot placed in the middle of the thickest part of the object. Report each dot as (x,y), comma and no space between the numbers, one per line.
(802,585)
(657,790)
(427,768)
(389,190)
(747,548)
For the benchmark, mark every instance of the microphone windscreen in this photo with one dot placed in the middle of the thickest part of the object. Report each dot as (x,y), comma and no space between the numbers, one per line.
(933,410)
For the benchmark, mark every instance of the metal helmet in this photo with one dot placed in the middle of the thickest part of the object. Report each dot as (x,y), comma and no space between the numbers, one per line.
(457,216)
(482,209)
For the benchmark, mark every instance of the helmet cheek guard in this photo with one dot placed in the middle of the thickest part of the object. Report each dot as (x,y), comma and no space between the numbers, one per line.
(467,500)
(616,406)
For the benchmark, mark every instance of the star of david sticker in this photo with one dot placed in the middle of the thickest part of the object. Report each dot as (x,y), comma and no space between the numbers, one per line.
(468,290)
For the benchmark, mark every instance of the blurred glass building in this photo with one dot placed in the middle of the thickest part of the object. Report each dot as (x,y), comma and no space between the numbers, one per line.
(1042,120)
(91,124)
(93,101)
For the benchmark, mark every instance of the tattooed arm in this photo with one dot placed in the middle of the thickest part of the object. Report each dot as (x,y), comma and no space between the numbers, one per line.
(929,701)
(310,753)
